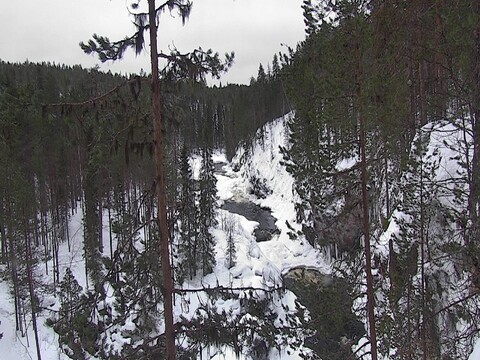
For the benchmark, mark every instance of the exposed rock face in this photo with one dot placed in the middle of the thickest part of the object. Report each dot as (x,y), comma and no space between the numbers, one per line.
(341,231)
(306,276)
(334,325)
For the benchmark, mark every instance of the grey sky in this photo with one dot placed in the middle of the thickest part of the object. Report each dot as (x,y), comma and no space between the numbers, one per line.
(50,30)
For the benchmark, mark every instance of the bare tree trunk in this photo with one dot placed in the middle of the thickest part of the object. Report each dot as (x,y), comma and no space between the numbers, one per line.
(12,260)
(100,223)
(366,220)
(3,235)
(33,304)
(439,61)
(474,194)
(423,121)
(409,323)
(110,235)
(160,187)
(422,263)
(366,229)
(67,231)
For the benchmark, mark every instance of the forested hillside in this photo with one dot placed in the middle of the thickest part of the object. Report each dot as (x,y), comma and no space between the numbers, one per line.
(372,180)
(386,138)
(78,142)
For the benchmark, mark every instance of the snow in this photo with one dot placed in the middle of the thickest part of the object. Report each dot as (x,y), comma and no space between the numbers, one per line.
(264,161)
(13,345)
(475,355)
(259,265)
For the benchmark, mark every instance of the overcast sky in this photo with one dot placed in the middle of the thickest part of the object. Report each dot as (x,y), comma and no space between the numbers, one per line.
(50,30)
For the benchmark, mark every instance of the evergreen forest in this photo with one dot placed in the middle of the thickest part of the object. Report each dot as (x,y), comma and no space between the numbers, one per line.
(116,239)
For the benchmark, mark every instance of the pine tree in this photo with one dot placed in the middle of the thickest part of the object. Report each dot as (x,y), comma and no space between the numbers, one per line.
(207,218)
(70,310)
(179,66)
(261,75)
(229,226)
(188,242)
(70,291)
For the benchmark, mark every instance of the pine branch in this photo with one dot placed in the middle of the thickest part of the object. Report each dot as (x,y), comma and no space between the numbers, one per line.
(184,8)
(195,65)
(95,99)
(221,288)
(459,301)
(112,51)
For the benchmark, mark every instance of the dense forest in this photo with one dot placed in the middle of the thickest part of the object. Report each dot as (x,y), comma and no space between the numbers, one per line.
(59,150)
(369,86)
(368,92)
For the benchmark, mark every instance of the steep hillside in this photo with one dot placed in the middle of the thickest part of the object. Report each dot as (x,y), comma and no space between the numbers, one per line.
(272,294)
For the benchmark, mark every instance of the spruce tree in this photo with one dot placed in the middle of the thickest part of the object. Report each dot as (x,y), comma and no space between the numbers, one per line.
(179,66)
(229,226)
(207,213)
(188,242)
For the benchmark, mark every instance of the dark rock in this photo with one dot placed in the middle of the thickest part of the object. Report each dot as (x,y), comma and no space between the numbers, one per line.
(259,187)
(266,228)
(333,324)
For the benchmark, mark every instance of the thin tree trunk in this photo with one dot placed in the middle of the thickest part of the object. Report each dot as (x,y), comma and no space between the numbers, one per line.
(422,264)
(439,60)
(474,193)
(100,223)
(387,187)
(110,225)
(366,220)
(13,267)
(44,242)
(409,323)
(366,229)
(57,265)
(32,294)
(67,230)
(3,235)
(423,121)
(160,187)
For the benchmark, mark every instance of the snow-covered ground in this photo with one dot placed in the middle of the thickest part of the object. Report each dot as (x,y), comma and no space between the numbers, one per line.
(13,345)
(257,264)
(475,355)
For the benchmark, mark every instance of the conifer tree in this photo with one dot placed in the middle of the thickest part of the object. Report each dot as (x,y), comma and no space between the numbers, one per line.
(70,303)
(229,226)
(188,242)
(261,75)
(192,65)
(275,66)
(207,219)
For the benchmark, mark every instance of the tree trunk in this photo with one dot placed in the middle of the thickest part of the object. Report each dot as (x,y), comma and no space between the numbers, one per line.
(366,229)
(13,268)
(32,293)
(439,62)
(366,220)
(160,187)
(3,235)
(422,260)
(100,223)
(474,195)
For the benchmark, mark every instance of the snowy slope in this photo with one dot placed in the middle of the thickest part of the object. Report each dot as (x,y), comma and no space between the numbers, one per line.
(264,161)
(13,345)
(258,265)
(446,146)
